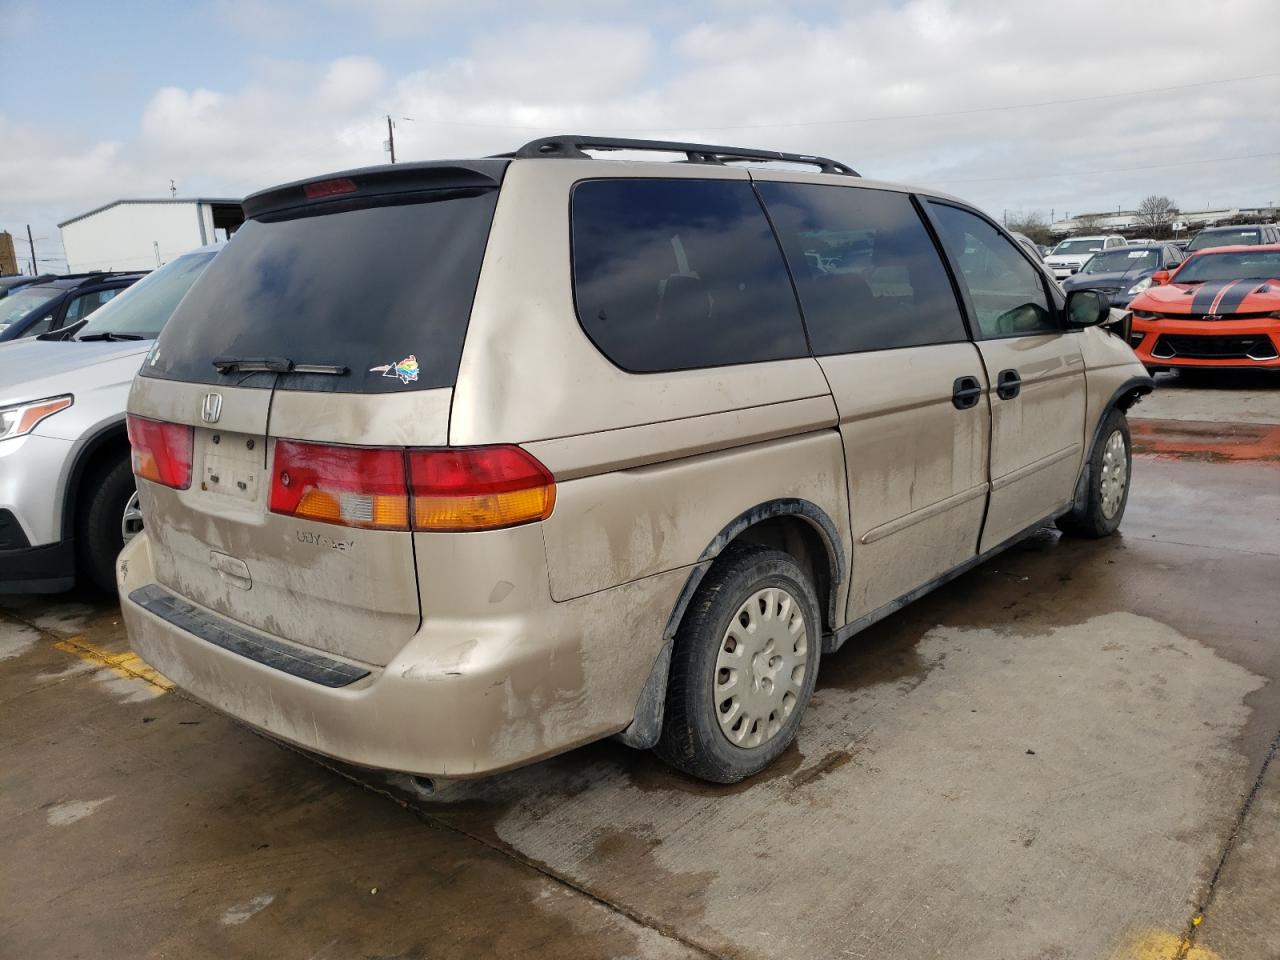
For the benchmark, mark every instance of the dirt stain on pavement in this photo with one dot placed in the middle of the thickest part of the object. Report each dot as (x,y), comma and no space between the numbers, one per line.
(1206,442)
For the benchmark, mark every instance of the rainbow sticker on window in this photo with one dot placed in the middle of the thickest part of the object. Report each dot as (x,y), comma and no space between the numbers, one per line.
(405,370)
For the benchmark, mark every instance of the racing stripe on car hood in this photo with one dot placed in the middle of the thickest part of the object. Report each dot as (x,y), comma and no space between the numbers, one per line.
(1231,299)
(1208,292)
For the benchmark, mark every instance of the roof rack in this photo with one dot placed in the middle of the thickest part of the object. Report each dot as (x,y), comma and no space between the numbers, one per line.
(571,146)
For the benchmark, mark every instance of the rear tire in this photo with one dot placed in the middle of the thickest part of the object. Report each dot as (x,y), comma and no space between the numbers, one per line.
(99,536)
(1110,464)
(743,667)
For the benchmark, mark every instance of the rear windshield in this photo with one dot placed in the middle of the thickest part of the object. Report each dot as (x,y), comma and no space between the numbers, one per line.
(1224,238)
(384,291)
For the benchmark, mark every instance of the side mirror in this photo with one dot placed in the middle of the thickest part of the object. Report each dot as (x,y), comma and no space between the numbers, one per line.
(1087,308)
(1159,278)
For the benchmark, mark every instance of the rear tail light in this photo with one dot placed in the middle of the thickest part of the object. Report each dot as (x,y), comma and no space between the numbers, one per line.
(161,451)
(352,486)
(478,488)
(447,489)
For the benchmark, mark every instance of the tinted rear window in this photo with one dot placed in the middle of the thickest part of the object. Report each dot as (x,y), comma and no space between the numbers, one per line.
(869,275)
(678,274)
(383,290)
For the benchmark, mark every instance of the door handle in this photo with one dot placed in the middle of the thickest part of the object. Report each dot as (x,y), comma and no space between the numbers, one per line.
(1008,384)
(965,392)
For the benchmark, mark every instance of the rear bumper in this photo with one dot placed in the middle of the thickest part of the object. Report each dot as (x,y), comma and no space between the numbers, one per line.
(1220,344)
(463,698)
(48,568)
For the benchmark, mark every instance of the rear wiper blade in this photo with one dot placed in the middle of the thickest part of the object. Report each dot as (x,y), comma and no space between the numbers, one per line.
(274,365)
(111,336)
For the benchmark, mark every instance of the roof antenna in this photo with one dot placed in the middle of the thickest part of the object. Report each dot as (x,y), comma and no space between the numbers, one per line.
(173,188)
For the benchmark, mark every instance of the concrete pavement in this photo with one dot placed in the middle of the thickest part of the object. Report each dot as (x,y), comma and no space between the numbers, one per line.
(1060,754)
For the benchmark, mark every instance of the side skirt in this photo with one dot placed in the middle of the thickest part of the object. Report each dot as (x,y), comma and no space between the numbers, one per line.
(834,641)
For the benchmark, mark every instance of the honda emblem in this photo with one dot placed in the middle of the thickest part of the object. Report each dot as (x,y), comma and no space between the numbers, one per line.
(211,410)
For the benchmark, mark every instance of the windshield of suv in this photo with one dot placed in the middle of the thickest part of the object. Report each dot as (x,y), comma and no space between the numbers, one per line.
(17,305)
(140,311)
(381,292)
(1263,265)
(1225,238)
(1120,261)
(1078,246)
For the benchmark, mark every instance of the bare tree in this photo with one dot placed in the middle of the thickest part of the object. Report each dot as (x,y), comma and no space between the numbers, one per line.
(1156,214)
(1034,224)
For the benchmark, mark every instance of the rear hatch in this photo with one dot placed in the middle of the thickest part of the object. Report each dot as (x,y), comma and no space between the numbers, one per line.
(333,320)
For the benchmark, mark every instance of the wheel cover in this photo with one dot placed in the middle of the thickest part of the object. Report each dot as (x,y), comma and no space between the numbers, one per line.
(1115,474)
(131,521)
(761,667)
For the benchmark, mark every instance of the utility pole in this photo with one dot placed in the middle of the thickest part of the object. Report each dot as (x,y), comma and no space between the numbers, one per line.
(391,138)
(32,244)
(173,188)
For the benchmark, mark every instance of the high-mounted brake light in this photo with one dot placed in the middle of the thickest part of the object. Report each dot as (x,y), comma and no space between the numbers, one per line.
(380,488)
(161,451)
(352,486)
(478,488)
(328,188)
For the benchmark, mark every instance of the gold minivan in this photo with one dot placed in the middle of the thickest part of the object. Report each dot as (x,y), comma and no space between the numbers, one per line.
(447,467)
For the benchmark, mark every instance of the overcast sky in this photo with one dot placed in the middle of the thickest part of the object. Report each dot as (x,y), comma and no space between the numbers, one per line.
(100,101)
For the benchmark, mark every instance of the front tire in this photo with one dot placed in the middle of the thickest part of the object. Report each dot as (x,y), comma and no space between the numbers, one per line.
(99,533)
(1110,464)
(743,667)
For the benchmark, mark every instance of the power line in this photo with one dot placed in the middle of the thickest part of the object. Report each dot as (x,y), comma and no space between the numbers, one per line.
(1085,173)
(884,117)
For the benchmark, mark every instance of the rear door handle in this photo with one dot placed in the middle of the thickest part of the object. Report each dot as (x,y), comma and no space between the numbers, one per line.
(965,392)
(1008,384)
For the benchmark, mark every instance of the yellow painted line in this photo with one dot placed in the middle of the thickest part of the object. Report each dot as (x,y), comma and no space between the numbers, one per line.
(1162,945)
(127,664)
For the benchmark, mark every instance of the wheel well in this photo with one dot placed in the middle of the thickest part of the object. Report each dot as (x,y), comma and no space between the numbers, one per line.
(104,449)
(1130,397)
(799,538)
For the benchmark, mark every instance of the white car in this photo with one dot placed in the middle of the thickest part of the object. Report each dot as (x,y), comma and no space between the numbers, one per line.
(67,500)
(1071,254)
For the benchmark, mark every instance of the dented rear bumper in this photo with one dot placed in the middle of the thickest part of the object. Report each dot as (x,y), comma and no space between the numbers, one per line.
(465,696)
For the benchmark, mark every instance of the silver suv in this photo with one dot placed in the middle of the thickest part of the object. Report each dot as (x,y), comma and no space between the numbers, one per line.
(447,467)
(67,500)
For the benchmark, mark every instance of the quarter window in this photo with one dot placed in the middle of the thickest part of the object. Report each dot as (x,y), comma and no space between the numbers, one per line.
(868,273)
(1007,292)
(679,274)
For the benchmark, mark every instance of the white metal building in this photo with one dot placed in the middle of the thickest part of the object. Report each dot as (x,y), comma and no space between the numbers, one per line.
(145,234)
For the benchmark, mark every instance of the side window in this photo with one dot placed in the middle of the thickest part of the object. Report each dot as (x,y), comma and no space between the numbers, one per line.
(83,305)
(1007,292)
(679,274)
(869,275)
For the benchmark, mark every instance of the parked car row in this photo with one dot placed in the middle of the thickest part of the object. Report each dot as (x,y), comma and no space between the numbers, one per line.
(55,303)
(67,500)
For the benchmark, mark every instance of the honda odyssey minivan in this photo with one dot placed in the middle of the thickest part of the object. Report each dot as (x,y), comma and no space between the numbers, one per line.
(447,467)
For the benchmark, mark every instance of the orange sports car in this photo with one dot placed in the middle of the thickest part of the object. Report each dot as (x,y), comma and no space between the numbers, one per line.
(1220,308)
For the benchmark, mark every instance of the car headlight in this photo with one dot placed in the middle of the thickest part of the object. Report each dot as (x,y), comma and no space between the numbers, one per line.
(21,418)
(1140,285)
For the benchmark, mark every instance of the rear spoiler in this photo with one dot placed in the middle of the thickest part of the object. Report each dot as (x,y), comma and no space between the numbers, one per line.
(370,183)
